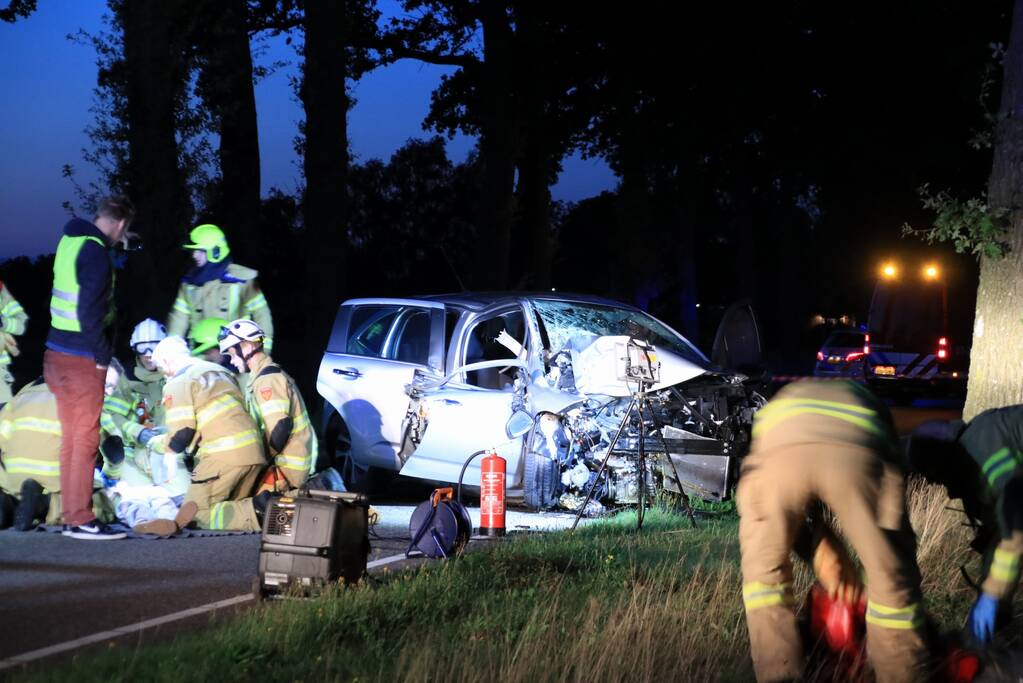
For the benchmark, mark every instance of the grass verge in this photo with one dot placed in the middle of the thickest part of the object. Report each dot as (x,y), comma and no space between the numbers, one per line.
(605,604)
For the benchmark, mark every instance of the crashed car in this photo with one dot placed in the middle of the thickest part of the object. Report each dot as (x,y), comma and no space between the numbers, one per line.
(417,386)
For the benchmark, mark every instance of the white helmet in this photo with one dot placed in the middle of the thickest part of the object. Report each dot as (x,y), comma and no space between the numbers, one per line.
(238,331)
(171,353)
(146,335)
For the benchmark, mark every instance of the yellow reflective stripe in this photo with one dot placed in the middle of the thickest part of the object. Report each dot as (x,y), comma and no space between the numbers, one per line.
(289,462)
(227,443)
(255,303)
(1004,566)
(768,417)
(216,408)
(37,424)
(182,306)
(903,618)
(107,423)
(116,405)
(274,407)
(180,414)
(11,309)
(217,516)
(756,595)
(1001,462)
(29,466)
(5,358)
(6,428)
(301,423)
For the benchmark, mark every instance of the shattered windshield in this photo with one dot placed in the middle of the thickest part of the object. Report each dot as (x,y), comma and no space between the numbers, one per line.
(567,321)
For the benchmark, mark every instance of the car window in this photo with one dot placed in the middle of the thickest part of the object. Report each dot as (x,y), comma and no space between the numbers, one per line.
(482,344)
(843,339)
(367,331)
(412,338)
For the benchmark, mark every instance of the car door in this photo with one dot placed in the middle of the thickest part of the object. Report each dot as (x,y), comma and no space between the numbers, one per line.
(470,411)
(374,350)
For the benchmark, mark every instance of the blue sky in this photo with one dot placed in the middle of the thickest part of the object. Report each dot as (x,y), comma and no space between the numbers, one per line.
(46,92)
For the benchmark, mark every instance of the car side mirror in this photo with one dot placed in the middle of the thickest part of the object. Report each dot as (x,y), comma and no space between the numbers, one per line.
(518,424)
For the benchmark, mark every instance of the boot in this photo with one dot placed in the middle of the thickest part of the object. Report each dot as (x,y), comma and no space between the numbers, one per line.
(7,505)
(169,527)
(33,505)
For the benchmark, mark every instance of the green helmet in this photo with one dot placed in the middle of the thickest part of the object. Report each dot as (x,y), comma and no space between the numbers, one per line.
(210,239)
(203,335)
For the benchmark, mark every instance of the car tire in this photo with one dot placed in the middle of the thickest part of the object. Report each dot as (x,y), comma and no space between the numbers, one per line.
(540,481)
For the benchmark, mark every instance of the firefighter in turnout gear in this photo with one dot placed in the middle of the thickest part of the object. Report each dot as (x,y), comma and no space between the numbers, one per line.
(274,402)
(979,462)
(12,324)
(206,416)
(30,458)
(216,287)
(828,444)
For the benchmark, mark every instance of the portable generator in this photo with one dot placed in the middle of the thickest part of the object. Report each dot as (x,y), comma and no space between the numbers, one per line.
(310,542)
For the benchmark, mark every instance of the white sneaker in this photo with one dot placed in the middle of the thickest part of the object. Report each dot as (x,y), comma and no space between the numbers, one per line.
(94,531)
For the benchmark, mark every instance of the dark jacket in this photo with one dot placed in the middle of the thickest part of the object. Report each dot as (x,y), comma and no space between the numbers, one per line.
(95,279)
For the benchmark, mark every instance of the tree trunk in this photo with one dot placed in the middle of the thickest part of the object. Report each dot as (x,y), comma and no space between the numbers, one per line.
(230,93)
(534,199)
(325,206)
(996,359)
(497,149)
(155,76)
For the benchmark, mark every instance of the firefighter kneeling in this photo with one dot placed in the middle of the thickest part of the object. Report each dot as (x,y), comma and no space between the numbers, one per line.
(205,415)
(831,443)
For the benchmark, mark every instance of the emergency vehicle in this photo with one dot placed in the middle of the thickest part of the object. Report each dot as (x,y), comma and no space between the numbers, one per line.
(907,349)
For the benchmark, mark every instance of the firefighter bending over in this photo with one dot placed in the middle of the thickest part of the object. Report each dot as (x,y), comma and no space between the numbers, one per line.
(979,462)
(830,443)
(206,416)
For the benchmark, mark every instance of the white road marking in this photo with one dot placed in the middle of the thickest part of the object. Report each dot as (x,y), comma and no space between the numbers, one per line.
(50,650)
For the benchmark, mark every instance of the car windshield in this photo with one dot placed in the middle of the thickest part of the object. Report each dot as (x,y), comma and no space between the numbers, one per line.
(565,320)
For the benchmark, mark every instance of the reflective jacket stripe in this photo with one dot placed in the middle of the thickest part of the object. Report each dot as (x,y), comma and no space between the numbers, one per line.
(33,424)
(756,595)
(216,408)
(228,443)
(903,618)
(117,405)
(64,295)
(783,409)
(1004,566)
(999,463)
(29,466)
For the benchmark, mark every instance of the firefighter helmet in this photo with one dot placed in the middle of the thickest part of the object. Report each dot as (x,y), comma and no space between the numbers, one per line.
(238,331)
(203,335)
(146,335)
(211,239)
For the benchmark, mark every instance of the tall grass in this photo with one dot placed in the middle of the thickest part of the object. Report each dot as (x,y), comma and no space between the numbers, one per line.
(605,604)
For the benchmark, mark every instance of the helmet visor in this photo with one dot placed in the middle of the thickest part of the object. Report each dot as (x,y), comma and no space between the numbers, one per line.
(145,348)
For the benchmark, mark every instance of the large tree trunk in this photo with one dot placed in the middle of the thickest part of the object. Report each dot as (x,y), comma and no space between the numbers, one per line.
(155,75)
(996,368)
(534,198)
(497,149)
(230,93)
(325,206)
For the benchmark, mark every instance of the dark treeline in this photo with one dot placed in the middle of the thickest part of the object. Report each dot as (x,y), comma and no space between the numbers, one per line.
(769,151)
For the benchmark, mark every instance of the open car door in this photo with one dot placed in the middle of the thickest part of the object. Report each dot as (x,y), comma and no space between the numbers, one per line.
(374,350)
(737,344)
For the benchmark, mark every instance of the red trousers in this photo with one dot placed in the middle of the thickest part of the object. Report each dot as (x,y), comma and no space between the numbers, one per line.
(78,385)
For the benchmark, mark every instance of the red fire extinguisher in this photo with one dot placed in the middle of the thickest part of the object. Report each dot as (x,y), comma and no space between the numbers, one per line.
(492,472)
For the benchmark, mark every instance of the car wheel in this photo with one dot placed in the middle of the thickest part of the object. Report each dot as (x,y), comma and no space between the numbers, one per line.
(540,481)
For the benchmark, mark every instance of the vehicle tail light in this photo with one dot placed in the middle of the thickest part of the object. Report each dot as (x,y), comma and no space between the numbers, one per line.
(943,341)
(942,354)
(943,348)
(820,356)
(866,345)
(855,355)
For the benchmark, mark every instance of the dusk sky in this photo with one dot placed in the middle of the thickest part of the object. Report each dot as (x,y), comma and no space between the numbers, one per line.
(46,93)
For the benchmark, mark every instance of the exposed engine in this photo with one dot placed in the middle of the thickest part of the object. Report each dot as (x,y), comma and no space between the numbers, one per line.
(703,424)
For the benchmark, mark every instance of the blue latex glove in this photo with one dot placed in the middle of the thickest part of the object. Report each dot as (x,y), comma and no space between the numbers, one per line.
(981,623)
(145,435)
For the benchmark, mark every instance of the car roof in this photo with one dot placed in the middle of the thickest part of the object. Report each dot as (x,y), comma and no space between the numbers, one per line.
(479,300)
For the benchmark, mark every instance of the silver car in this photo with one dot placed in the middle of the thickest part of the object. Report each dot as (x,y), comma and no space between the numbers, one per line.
(416,386)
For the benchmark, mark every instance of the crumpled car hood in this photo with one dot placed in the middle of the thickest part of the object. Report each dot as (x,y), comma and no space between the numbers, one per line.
(595,371)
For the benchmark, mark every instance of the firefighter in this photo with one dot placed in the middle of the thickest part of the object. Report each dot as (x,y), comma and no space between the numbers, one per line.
(203,339)
(13,320)
(205,415)
(828,444)
(30,458)
(216,287)
(979,463)
(275,403)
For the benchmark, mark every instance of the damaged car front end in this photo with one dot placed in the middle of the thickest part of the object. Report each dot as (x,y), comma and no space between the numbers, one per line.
(560,373)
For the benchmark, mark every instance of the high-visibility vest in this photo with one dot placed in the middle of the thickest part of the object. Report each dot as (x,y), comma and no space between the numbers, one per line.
(64,298)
